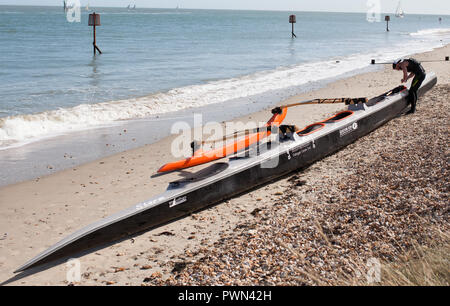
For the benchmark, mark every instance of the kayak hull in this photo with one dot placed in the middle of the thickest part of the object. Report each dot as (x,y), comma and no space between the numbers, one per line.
(236,176)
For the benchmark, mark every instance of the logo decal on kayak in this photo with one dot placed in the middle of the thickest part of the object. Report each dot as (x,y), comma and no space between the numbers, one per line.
(348,129)
(177,201)
(303,149)
(147,204)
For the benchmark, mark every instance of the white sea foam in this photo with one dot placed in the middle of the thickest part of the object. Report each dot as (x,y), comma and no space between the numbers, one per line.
(434,32)
(24,127)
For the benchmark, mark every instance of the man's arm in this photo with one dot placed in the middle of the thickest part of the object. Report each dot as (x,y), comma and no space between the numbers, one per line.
(411,75)
(405,74)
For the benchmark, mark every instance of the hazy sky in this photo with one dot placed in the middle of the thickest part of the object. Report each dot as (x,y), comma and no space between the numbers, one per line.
(409,6)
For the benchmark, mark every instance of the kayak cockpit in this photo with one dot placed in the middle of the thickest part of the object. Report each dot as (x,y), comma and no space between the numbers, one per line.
(338,117)
(311,129)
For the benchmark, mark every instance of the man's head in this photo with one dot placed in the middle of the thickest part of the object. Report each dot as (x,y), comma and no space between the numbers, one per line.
(396,64)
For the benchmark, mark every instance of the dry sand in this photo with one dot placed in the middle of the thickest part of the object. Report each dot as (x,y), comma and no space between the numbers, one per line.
(38,213)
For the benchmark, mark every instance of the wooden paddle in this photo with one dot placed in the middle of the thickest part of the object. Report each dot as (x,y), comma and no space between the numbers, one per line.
(347,101)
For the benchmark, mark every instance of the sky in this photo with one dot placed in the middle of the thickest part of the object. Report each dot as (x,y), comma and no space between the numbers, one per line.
(437,7)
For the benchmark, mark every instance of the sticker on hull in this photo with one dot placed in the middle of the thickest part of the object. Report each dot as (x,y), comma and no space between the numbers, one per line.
(303,149)
(147,204)
(177,201)
(348,129)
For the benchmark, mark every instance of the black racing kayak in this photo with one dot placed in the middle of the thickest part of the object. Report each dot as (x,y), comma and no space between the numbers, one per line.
(223,180)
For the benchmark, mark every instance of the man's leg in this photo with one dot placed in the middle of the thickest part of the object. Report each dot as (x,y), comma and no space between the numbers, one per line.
(412,97)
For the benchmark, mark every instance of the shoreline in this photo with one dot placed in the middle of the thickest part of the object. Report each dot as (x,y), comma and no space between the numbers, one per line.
(64,151)
(45,154)
(36,214)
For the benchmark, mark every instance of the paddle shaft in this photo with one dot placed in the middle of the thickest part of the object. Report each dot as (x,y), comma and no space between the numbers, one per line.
(236,134)
(327,101)
(447,58)
(279,110)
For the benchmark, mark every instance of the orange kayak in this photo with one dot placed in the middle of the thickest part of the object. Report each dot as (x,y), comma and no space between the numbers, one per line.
(202,157)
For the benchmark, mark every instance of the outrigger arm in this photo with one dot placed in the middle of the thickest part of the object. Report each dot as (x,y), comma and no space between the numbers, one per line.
(347,101)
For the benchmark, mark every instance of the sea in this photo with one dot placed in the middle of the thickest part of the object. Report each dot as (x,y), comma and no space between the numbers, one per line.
(166,62)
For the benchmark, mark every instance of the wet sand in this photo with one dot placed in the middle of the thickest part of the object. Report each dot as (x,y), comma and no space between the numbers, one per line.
(38,213)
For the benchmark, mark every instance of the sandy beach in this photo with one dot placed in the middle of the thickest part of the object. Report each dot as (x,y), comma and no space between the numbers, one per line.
(208,247)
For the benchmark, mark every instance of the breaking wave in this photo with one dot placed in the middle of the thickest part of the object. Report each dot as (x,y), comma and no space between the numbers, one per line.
(435,32)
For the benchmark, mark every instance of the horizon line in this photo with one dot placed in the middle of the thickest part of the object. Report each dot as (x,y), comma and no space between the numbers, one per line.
(221,9)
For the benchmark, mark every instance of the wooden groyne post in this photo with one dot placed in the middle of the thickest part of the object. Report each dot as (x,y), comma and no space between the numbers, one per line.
(94,21)
(387,19)
(292,20)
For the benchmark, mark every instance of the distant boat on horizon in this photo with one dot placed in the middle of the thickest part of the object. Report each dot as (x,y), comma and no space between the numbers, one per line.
(399,12)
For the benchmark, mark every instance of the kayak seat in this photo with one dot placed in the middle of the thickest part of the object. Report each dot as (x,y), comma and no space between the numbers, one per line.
(374,101)
(338,117)
(382,97)
(311,129)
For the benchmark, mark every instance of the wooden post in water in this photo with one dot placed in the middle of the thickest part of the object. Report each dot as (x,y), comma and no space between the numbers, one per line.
(387,19)
(292,20)
(94,21)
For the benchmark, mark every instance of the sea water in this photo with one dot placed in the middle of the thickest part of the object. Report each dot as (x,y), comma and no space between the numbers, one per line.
(162,60)
(156,61)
